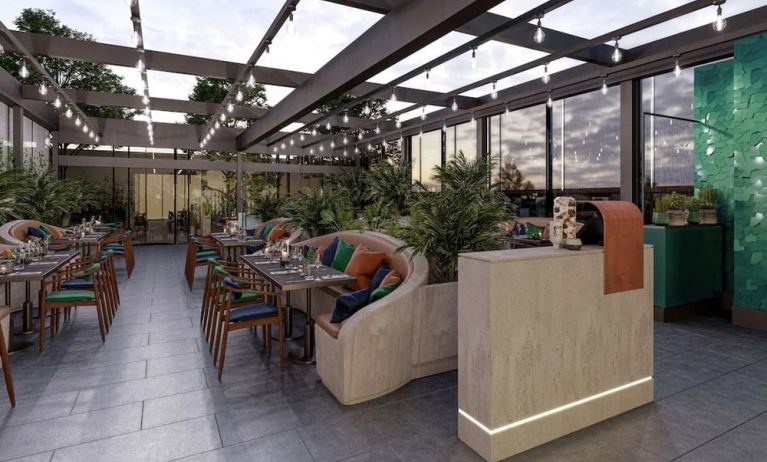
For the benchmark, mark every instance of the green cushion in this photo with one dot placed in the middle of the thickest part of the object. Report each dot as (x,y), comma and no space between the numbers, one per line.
(46,230)
(266,230)
(244,297)
(382,291)
(72,296)
(206,253)
(344,253)
(87,272)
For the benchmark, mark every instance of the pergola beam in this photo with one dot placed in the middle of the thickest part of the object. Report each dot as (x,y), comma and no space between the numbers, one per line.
(404,30)
(117,55)
(521,36)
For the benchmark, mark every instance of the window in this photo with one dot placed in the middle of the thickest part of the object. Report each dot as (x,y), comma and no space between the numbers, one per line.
(461,138)
(426,154)
(518,144)
(586,144)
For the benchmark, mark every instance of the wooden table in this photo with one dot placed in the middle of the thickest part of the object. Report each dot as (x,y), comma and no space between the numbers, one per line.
(232,245)
(35,271)
(82,243)
(287,281)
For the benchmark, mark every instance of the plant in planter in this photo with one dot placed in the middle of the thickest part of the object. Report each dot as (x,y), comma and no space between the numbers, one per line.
(707,198)
(269,205)
(693,210)
(660,213)
(319,211)
(677,215)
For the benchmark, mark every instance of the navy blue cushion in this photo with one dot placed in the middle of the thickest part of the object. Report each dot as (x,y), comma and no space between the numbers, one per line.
(250,232)
(348,304)
(330,252)
(254,248)
(250,312)
(77,284)
(379,276)
(35,232)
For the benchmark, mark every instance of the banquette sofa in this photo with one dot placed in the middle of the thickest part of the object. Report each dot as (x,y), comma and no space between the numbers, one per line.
(16,232)
(380,348)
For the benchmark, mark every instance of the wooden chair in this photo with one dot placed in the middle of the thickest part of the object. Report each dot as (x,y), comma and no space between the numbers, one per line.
(4,361)
(198,251)
(73,278)
(58,299)
(122,247)
(232,317)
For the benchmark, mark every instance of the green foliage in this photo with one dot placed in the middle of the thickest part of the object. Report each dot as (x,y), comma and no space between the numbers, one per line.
(340,219)
(352,183)
(390,183)
(377,110)
(462,217)
(76,75)
(677,201)
(13,193)
(662,204)
(707,196)
(693,204)
(378,216)
(269,205)
(318,211)
(512,179)
(210,90)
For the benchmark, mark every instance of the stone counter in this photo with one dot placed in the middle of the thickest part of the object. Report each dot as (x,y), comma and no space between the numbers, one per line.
(542,351)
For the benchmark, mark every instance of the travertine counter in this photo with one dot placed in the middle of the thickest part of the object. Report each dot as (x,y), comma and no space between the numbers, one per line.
(542,352)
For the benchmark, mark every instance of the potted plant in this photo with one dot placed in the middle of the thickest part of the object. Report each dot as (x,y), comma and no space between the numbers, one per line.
(207,210)
(693,210)
(677,215)
(707,198)
(660,214)
(194,219)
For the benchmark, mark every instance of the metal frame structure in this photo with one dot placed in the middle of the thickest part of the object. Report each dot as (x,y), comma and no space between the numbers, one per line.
(405,27)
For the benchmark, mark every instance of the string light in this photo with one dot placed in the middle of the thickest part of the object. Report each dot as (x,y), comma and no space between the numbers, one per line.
(239,96)
(229,108)
(378,130)
(135,39)
(454,106)
(43,89)
(292,143)
(617,54)
(549,101)
(332,144)
(322,148)
(216,126)
(604,86)
(314,130)
(474,57)
(345,139)
(57,102)
(539,36)
(366,110)
(393,95)
(423,113)
(719,22)
(546,78)
(251,80)
(301,137)
(222,117)
(78,122)
(361,135)
(397,122)
(291,26)
(494,93)
(327,126)
(68,112)
(346,117)
(85,128)
(24,72)
(677,69)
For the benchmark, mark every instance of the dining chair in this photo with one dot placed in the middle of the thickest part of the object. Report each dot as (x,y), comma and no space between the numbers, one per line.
(5,312)
(218,272)
(74,278)
(198,251)
(234,317)
(122,246)
(58,299)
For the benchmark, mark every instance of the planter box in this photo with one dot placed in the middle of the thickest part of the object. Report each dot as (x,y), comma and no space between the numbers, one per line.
(687,269)
(206,226)
(436,329)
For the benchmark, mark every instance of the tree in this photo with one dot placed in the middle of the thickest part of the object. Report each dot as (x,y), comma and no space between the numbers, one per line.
(69,74)
(512,179)
(211,90)
(376,108)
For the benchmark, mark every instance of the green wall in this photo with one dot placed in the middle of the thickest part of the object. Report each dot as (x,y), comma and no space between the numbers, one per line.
(731,154)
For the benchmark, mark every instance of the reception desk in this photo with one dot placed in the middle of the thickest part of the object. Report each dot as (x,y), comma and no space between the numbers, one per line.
(542,351)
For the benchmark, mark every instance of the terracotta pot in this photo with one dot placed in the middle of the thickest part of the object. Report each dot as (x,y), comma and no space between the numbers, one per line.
(708,217)
(677,218)
(660,218)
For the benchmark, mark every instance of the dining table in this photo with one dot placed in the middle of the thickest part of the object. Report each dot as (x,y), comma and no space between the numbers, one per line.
(288,279)
(36,270)
(233,245)
(83,242)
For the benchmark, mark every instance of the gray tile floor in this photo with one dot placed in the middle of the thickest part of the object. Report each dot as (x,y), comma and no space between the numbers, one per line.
(150,394)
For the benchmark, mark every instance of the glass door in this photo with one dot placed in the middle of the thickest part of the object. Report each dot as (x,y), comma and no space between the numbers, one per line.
(154,206)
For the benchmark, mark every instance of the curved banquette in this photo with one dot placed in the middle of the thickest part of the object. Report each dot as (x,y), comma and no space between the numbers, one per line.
(376,351)
(15,232)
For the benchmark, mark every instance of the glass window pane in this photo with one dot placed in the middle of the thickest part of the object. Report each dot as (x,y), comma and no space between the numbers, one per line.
(431,156)
(523,149)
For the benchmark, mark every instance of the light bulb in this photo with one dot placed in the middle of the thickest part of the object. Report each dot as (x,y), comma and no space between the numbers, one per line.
(135,39)
(217,125)
(356,149)
(474,57)
(85,128)
(90,134)
(370,147)
(328,126)
(301,137)
(506,112)
(222,117)
(43,89)
(366,110)
(360,135)
(145,100)
(677,69)
(719,22)
(344,152)
(473,120)
(423,113)
(604,87)
(617,54)
(24,72)
(239,96)
(397,123)
(444,126)
(292,142)
(345,139)
(78,122)
(393,95)
(97,139)
(314,131)
(311,151)
(140,65)
(549,101)
(378,130)
(282,146)
(539,35)
(546,78)
(212,131)
(332,144)
(251,80)
(322,148)
(454,106)
(68,112)
(291,26)
(57,102)
(428,72)
(229,108)
(346,118)
(494,93)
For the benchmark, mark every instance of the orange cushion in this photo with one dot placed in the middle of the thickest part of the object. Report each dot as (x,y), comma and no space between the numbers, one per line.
(277,234)
(392,278)
(56,233)
(364,262)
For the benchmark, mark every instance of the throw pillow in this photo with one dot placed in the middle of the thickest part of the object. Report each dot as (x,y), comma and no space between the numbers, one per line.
(379,276)
(45,230)
(265,231)
(278,233)
(348,304)
(363,265)
(35,232)
(344,253)
(382,291)
(392,278)
(330,252)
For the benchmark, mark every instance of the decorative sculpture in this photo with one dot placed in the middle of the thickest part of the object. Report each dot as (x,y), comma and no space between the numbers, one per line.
(562,227)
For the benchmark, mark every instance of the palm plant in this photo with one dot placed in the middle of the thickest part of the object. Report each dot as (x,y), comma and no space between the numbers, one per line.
(269,205)
(390,183)
(353,183)
(14,192)
(52,200)
(462,217)
(305,210)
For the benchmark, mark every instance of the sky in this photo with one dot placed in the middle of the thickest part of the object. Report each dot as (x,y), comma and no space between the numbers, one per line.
(230,30)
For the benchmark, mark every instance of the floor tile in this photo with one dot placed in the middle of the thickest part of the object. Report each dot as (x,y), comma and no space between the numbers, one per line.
(282,447)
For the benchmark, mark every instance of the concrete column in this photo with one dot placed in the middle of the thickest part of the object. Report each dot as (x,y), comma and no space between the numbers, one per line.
(55,153)
(18,136)
(238,187)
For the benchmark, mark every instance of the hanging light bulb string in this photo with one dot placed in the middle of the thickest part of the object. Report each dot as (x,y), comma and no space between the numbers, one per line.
(246,76)
(138,40)
(61,101)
